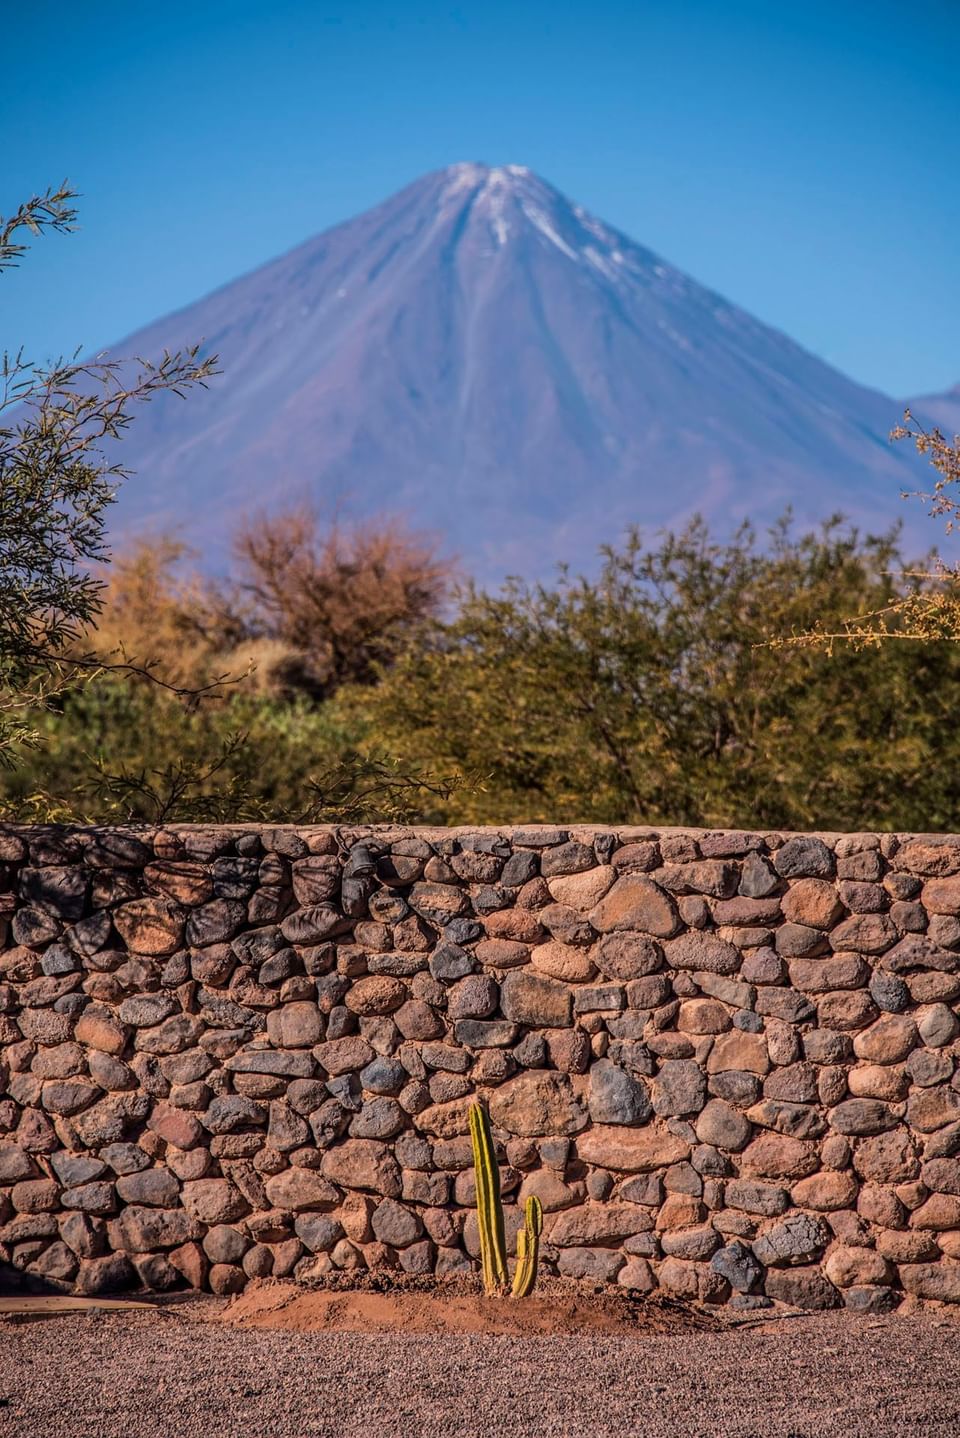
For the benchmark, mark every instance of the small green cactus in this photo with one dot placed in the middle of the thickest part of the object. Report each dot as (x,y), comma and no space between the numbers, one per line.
(528,1248)
(493,1248)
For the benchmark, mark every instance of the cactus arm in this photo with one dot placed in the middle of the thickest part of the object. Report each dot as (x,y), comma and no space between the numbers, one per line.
(528,1248)
(493,1246)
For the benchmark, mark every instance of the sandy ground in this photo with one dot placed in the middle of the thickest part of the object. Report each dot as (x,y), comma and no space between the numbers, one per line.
(182,1372)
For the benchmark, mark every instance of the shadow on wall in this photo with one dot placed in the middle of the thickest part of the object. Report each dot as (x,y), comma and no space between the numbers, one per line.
(16,1284)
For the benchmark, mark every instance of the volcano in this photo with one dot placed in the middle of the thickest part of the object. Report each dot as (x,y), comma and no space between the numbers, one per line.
(482,356)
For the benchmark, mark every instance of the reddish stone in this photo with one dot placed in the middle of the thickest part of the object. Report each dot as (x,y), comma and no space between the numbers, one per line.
(940,1211)
(213,1200)
(813,902)
(582,891)
(631,1150)
(519,925)
(502,953)
(703,1016)
(846,1010)
(298,1189)
(537,1102)
(638,904)
(852,1267)
(929,857)
(931,1108)
(883,1081)
(175,1127)
(150,926)
(865,934)
(702,951)
(739,1050)
(363,1163)
(417,1020)
(942,896)
(295,1025)
(886,1157)
(569,1050)
(825,1192)
(775,1155)
(187,883)
(564,962)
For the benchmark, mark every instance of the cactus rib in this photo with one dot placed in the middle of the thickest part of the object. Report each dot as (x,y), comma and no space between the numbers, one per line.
(489,1209)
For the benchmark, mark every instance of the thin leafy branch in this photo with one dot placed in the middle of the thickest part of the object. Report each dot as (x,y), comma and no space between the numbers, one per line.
(58,479)
(926,606)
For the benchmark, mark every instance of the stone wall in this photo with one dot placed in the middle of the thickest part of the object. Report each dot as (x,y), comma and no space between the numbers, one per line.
(726,1062)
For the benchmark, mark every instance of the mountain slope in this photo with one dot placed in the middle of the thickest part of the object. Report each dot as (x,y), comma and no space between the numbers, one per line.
(939,410)
(484,356)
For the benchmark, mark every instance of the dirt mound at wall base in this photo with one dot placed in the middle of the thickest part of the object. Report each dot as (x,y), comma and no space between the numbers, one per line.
(378,1304)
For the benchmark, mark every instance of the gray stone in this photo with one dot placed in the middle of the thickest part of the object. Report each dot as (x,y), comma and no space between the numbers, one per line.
(215,923)
(520,868)
(804,857)
(33,928)
(284,1065)
(395,1224)
(224,1244)
(938,1025)
(59,960)
(861,1116)
(750,1196)
(598,998)
(318,1232)
(109,1072)
(286,1129)
(378,1118)
(155,1187)
(537,1001)
(599,1265)
(825,1046)
(679,1088)
(736,1086)
(232,1112)
(722,1127)
(616,1097)
(798,1239)
(738,1266)
(450,963)
(872,1298)
(704,951)
(306,1095)
(383,1076)
(927,1067)
(888,992)
(570,858)
(145,1010)
(485,1033)
(125,1157)
(531,1052)
(476,997)
(57,890)
(757,880)
(112,1274)
(76,1168)
(347,1090)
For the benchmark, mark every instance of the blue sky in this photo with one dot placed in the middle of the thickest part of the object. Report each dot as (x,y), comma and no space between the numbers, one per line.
(798,157)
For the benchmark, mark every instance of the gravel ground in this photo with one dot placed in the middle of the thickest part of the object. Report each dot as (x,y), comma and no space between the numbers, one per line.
(171,1374)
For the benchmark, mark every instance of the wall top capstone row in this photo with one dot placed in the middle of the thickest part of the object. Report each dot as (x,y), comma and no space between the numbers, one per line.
(725,1061)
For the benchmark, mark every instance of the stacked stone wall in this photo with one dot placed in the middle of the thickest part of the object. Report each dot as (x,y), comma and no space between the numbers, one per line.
(726,1062)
